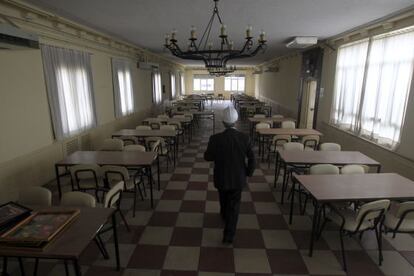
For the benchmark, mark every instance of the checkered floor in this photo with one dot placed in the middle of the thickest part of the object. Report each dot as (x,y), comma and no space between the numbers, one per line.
(182,235)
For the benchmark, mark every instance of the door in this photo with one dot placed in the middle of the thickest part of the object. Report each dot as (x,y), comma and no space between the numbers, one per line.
(308,103)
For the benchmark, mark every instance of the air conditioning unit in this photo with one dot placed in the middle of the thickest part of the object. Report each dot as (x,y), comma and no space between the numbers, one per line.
(301,42)
(147,65)
(13,38)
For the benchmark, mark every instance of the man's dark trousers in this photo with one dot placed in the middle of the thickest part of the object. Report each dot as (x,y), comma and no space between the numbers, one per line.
(229,210)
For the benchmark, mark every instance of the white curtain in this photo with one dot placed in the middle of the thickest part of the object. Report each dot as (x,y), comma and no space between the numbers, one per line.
(372,85)
(68,76)
(123,88)
(182,90)
(156,87)
(350,67)
(173,85)
(390,69)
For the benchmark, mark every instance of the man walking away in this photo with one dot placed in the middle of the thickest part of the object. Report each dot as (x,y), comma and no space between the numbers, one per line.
(229,151)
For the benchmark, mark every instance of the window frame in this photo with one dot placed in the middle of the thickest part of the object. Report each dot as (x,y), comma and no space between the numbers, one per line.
(236,78)
(205,78)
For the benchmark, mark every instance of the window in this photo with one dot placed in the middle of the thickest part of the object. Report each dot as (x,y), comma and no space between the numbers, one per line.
(234,83)
(173,85)
(372,84)
(68,77)
(123,89)
(182,84)
(203,83)
(156,87)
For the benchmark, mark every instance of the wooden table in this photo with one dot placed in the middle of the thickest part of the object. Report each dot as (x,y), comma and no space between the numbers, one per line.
(309,158)
(270,132)
(151,133)
(362,187)
(126,159)
(73,240)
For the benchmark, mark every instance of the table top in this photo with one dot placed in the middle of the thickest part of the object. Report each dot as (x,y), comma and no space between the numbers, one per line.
(288,131)
(117,158)
(144,133)
(344,187)
(73,240)
(270,119)
(181,120)
(204,112)
(326,157)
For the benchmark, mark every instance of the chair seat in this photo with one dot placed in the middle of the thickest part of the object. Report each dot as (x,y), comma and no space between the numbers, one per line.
(391,220)
(351,223)
(89,184)
(308,149)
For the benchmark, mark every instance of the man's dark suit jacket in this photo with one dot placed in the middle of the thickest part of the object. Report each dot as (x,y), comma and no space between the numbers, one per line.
(229,151)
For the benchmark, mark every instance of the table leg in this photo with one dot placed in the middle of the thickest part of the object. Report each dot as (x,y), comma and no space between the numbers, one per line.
(77,267)
(379,169)
(285,173)
(292,201)
(214,123)
(276,169)
(151,186)
(314,227)
(21,266)
(118,265)
(4,272)
(158,173)
(58,181)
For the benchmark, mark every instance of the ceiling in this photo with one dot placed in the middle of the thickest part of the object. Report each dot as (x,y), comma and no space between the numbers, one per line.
(145,22)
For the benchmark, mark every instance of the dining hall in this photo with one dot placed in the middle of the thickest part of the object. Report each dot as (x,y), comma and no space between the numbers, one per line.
(206,137)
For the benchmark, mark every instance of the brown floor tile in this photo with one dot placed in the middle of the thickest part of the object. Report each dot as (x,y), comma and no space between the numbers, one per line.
(212,196)
(148,257)
(173,194)
(286,262)
(193,206)
(302,239)
(271,221)
(89,255)
(257,179)
(185,164)
(197,186)
(248,238)
(262,196)
(180,177)
(359,263)
(201,170)
(178,273)
(185,236)
(130,237)
(247,208)
(213,220)
(163,219)
(216,260)
(100,270)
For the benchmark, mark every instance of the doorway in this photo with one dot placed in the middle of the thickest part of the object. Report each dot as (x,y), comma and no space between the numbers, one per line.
(308,103)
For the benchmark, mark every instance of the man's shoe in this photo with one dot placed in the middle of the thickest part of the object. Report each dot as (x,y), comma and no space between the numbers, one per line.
(228,240)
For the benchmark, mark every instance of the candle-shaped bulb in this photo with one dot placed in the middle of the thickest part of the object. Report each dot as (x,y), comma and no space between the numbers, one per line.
(231,45)
(173,33)
(262,36)
(167,39)
(223,30)
(249,31)
(193,32)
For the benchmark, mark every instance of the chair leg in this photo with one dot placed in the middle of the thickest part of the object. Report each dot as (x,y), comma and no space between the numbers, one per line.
(379,241)
(343,250)
(101,246)
(65,263)
(21,266)
(36,265)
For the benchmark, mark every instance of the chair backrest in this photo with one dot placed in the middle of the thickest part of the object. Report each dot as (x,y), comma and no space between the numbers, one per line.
(177,124)
(114,174)
(189,115)
(259,116)
(262,125)
(178,116)
(168,127)
(277,116)
(293,146)
(310,141)
(288,124)
(155,125)
(129,140)
(142,127)
(85,171)
(35,196)
(352,169)
(78,199)
(372,210)
(139,148)
(405,207)
(163,116)
(113,196)
(153,144)
(112,144)
(279,140)
(330,147)
(324,169)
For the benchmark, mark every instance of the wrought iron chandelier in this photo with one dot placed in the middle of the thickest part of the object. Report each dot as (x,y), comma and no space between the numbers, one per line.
(215,60)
